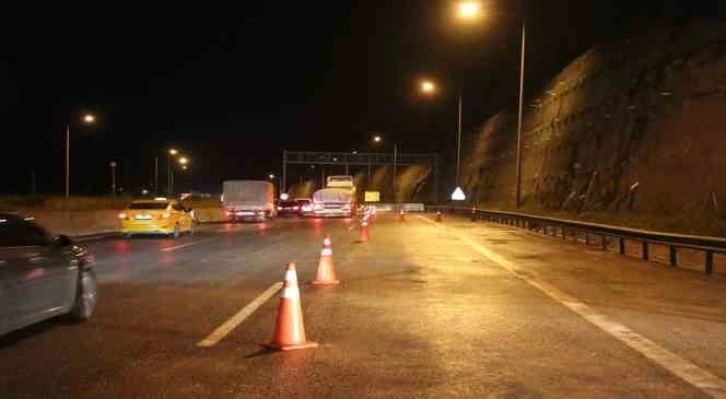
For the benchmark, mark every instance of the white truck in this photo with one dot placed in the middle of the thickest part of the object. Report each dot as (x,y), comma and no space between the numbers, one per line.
(248,200)
(338,199)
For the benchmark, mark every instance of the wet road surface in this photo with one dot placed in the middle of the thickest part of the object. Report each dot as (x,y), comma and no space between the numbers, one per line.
(425,309)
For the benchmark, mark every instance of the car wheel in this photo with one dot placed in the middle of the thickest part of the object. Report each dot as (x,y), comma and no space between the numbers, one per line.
(175,233)
(86,297)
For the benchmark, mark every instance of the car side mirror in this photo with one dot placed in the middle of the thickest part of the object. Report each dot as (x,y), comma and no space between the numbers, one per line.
(62,241)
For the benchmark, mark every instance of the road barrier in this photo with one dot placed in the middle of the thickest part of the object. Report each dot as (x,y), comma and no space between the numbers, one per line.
(289,326)
(406,207)
(599,234)
(326,268)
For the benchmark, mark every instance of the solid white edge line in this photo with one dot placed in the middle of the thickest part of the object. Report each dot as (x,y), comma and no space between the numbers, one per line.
(231,323)
(189,244)
(687,371)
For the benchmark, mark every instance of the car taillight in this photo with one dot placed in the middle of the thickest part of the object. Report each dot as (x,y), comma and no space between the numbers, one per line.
(295,208)
(122,216)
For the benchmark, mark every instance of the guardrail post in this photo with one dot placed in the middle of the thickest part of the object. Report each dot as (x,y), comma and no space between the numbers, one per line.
(587,239)
(604,242)
(564,233)
(709,262)
(673,255)
(621,245)
(646,252)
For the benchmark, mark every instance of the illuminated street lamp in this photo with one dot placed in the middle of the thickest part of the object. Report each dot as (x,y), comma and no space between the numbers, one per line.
(173,152)
(88,119)
(183,160)
(468,11)
(271,176)
(379,139)
(428,87)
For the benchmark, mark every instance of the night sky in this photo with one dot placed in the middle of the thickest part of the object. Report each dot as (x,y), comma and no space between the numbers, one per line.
(233,87)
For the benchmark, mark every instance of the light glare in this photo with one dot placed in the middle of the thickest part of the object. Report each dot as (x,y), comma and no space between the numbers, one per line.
(469,9)
(428,86)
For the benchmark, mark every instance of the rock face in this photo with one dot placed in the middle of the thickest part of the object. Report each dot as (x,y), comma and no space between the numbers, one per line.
(634,126)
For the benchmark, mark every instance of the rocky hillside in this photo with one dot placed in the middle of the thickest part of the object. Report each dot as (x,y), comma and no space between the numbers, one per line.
(632,132)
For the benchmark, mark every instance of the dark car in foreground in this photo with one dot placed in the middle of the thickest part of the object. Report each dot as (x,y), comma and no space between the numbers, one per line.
(41,275)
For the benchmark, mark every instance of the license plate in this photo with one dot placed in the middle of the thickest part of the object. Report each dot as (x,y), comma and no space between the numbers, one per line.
(142,217)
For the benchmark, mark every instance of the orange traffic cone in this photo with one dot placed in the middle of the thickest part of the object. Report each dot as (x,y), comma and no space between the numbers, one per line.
(401,216)
(289,328)
(364,235)
(326,269)
(439,216)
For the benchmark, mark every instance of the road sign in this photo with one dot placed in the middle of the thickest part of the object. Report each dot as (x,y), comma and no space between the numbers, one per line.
(458,195)
(371,196)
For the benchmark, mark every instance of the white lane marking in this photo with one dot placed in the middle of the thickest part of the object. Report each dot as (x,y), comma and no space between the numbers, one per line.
(189,244)
(229,325)
(689,372)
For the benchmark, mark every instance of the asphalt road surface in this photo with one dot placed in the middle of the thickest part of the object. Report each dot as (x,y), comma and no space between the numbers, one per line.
(425,309)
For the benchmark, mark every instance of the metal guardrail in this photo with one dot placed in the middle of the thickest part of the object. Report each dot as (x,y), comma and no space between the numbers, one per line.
(406,207)
(605,233)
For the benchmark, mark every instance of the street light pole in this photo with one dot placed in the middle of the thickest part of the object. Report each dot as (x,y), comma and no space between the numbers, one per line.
(395,165)
(156,175)
(113,178)
(518,199)
(88,118)
(458,141)
(68,157)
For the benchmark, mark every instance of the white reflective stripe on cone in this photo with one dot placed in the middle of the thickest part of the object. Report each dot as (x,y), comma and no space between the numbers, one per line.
(326,252)
(291,275)
(290,293)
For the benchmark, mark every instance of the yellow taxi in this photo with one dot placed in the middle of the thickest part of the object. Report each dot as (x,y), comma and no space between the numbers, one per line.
(157,216)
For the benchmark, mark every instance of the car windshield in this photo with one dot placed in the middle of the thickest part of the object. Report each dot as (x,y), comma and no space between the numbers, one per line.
(149,205)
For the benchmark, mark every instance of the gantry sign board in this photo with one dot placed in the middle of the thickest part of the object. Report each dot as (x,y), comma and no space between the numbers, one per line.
(347,159)
(371,196)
